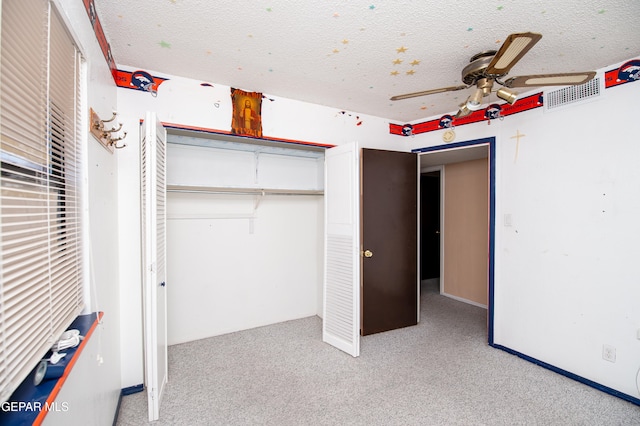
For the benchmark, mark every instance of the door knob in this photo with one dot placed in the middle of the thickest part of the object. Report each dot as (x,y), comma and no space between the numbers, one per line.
(368,253)
(437,232)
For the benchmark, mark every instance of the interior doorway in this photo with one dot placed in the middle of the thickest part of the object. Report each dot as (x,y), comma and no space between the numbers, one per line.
(430,225)
(434,162)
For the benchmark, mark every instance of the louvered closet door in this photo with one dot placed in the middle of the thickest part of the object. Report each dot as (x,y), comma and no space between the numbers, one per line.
(341,316)
(153,209)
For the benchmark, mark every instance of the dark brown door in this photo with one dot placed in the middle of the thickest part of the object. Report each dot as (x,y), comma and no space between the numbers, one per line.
(389,240)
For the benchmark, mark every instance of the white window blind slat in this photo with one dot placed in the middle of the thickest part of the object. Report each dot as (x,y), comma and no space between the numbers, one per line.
(29,318)
(23,247)
(22,273)
(24,180)
(40,205)
(35,341)
(24,29)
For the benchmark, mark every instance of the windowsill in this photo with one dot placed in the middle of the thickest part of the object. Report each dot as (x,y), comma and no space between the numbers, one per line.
(29,404)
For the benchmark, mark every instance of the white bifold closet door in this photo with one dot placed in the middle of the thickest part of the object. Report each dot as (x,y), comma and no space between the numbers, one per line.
(153,211)
(341,316)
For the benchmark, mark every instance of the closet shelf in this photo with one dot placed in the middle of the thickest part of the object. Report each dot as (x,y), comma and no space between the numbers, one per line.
(242,191)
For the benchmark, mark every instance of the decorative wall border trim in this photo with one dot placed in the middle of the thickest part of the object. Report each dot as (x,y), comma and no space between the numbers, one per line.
(138,80)
(102,39)
(626,73)
(491,112)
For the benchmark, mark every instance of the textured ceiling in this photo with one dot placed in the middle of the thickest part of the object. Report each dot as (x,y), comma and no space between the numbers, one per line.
(354,55)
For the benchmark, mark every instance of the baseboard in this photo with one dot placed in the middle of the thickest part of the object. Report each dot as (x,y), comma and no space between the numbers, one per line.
(124,392)
(570,375)
(132,389)
(461,299)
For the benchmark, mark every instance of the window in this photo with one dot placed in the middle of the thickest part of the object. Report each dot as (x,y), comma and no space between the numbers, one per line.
(40,205)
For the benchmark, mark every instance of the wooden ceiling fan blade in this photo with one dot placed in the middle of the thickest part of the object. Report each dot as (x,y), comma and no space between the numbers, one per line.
(511,51)
(559,79)
(428,92)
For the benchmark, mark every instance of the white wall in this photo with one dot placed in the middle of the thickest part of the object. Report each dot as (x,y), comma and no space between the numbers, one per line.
(566,278)
(97,389)
(185,102)
(228,274)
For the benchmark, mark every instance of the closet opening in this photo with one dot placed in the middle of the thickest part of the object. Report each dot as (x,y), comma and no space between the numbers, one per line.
(244,232)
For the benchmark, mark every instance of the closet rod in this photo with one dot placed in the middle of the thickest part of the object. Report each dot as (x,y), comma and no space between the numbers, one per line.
(241,191)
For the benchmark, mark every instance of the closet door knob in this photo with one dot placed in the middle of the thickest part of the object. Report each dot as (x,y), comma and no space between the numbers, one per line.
(368,253)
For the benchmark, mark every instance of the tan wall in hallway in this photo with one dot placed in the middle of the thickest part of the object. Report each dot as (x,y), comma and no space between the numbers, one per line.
(466,210)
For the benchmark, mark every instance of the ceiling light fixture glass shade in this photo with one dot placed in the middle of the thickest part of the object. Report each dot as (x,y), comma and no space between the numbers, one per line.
(507,95)
(474,102)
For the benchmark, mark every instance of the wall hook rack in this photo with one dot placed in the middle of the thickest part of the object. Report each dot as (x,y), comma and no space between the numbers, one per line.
(109,138)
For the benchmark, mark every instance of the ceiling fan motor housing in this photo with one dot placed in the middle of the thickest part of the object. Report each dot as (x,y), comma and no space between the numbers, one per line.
(475,70)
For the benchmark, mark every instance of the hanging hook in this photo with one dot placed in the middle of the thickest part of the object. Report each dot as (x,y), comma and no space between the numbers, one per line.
(113,142)
(113,117)
(109,138)
(114,130)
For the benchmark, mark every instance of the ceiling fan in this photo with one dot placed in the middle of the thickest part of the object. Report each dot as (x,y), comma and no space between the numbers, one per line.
(491,66)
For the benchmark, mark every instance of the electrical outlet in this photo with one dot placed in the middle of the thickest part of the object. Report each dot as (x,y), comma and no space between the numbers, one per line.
(609,353)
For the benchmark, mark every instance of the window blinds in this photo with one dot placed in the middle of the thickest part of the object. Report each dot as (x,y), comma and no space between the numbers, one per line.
(40,206)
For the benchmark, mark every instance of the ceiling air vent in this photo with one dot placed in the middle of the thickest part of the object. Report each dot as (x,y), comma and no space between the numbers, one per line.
(571,95)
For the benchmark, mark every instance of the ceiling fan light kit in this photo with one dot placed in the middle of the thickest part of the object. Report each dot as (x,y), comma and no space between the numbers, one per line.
(490,66)
(474,102)
(463,111)
(507,95)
